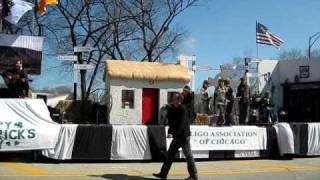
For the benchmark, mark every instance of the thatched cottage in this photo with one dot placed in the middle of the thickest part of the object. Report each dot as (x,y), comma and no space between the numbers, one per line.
(137,90)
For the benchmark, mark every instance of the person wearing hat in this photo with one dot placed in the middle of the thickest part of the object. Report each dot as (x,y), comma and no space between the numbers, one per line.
(220,102)
(243,93)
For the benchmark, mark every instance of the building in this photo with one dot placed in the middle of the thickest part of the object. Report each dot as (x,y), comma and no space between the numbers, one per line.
(295,85)
(136,91)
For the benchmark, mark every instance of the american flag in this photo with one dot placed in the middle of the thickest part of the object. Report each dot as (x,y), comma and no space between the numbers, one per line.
(264,36)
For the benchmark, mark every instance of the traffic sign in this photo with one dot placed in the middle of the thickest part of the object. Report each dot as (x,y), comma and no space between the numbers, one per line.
(83,66)
(67,58)
(203,68)
(82,49)
(253,74)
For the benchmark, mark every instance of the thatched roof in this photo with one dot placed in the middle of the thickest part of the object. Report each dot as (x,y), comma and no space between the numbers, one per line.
(152,71)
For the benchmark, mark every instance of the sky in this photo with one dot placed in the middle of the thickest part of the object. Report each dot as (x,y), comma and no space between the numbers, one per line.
(219,30)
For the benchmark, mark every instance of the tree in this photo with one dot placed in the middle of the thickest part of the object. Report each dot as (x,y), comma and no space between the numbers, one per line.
(153,19)
(116,29)
(295,54)
(292,54)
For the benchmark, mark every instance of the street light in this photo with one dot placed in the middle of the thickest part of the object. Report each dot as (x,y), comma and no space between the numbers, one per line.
(316,36)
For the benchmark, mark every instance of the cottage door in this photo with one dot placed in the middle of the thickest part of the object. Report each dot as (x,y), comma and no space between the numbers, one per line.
(150,105)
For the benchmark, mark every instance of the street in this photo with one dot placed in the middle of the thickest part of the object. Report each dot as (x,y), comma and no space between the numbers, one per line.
(263,169)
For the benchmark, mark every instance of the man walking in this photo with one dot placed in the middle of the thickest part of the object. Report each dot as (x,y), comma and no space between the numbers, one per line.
(179,128)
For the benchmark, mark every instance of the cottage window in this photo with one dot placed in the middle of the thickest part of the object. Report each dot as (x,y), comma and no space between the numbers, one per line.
(127,99)
(170,96)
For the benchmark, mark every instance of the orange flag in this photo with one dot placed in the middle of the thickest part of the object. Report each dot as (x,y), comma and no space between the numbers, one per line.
(42,5)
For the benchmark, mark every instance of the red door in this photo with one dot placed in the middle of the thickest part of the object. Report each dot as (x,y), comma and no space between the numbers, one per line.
(150,105)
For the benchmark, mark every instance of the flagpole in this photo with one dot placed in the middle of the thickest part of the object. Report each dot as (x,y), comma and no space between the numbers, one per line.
(257,50)
(257,46)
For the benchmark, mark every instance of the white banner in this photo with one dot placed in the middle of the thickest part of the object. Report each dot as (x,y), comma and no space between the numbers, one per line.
(18,9)
(228,138)
(20,41)
(25,48)
(25,124)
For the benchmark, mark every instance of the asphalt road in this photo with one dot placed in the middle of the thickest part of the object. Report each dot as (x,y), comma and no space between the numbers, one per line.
(284,169)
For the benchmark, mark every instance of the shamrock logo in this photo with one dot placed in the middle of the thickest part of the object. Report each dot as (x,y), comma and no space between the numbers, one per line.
(18,124)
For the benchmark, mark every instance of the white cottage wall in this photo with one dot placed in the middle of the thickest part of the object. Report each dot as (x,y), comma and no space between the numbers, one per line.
(114,87)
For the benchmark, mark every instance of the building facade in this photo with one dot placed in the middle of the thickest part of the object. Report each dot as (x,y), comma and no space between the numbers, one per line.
(295,85)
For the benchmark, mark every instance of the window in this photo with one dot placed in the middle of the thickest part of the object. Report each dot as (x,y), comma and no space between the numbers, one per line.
(128,99)
(304,71)
(170,95)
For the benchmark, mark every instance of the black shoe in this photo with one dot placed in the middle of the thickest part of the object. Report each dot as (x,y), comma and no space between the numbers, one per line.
(191,178)
(159,175)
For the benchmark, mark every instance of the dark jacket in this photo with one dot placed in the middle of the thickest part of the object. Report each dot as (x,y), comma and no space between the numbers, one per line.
(179,126)
(244,93)
(16,72)
(188,101)
(16,85)
(229,96)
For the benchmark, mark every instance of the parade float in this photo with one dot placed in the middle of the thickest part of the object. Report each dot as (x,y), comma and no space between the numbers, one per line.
(138,90)
(135,139)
